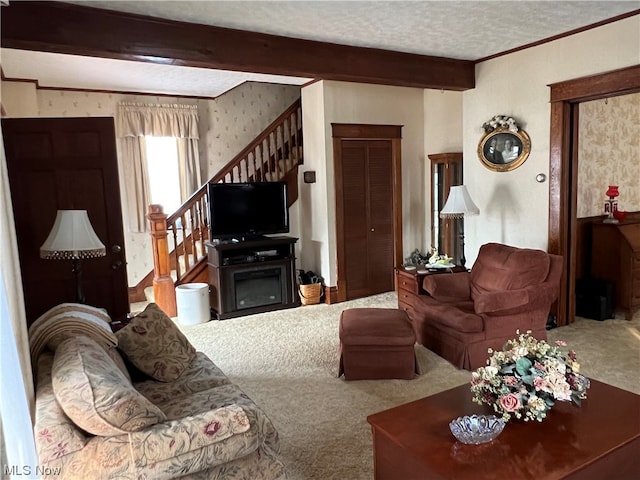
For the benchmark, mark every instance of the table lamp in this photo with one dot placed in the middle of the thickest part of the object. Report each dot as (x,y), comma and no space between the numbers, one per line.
(611,205)
(459,205)
(72,238)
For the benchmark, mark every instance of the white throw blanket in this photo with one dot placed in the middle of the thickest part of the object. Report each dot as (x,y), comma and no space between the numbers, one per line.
(68,319)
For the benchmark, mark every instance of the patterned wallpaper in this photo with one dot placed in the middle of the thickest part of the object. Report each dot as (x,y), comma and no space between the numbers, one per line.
(227,124)
(237,117)
(609,153)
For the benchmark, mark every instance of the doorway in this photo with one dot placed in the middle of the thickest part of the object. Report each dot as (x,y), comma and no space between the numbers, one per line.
(59,164)
(368,208)
(565,106)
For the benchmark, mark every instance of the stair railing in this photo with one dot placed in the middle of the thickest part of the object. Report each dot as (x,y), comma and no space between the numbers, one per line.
(273,155)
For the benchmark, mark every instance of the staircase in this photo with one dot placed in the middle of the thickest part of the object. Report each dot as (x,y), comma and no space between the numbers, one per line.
(179,239)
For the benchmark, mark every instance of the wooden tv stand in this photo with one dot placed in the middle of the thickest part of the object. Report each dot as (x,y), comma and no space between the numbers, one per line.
(251,276)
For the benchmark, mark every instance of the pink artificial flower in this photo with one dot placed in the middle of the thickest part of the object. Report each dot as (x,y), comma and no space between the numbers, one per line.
(510,380)
(510,402)
(561,343)
(572,380)
(572,355)
(540,384)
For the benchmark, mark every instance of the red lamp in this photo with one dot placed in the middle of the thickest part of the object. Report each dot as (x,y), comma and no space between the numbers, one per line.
(611,205)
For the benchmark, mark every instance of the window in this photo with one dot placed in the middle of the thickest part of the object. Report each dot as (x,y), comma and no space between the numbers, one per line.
(164,173)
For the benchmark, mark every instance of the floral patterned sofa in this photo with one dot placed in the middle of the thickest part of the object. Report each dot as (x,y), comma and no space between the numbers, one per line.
(153,408)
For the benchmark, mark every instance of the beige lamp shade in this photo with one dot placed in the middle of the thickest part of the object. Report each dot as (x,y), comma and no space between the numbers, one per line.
(72,237)
(459,204)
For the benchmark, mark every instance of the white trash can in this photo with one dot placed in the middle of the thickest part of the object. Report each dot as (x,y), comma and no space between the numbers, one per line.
(192,302)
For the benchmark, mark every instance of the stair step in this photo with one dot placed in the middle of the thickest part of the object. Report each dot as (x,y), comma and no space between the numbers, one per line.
(149,295)
(148,291)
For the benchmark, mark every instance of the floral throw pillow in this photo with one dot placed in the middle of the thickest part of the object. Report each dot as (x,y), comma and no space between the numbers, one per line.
(155,345)
(95,394)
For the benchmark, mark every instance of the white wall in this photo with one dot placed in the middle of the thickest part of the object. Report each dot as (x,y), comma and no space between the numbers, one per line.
(329,102)
(19,99)
(513,206)
(314,243)
(442,134)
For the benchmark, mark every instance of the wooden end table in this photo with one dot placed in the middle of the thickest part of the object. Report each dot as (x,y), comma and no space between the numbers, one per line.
(600,440)
(409,284)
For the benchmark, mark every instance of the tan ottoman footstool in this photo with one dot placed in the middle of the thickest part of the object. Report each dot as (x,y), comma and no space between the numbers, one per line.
(376,343)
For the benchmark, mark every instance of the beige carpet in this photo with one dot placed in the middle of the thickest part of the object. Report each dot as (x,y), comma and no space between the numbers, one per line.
(287,362)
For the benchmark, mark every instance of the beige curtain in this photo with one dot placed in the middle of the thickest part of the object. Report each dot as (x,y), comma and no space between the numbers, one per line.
(134,122)
(16,389)
(10,268)
(132,161)
(189,164)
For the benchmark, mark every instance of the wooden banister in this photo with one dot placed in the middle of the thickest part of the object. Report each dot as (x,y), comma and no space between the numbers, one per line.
(163,287)
(256,159)
(273,155)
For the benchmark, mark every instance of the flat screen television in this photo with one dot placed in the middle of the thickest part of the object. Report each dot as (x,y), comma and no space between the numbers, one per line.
(247,210)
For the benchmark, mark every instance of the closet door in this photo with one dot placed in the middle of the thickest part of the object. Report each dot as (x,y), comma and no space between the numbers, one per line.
(367,186)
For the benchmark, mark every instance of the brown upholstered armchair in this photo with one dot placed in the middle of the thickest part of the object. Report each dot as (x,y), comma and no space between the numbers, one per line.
(466,313)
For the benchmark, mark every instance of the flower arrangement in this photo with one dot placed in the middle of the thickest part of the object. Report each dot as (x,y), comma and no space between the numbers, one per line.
(527,377)
(500,121)
(436,259)
(428,258)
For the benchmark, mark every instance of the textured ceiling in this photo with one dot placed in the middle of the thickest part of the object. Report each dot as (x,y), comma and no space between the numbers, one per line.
(467,30)
(91,73)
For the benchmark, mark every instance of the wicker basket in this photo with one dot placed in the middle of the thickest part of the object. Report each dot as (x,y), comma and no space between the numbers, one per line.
(310,293)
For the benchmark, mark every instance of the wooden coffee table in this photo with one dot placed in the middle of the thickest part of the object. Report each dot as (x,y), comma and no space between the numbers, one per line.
(600,440)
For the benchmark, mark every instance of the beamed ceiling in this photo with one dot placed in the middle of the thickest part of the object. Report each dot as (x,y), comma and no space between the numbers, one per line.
(203,48)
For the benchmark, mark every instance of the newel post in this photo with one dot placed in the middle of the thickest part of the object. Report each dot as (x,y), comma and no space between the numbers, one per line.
(164,290)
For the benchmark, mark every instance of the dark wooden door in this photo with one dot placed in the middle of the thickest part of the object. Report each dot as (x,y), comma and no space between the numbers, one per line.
(66,163)
(367,189)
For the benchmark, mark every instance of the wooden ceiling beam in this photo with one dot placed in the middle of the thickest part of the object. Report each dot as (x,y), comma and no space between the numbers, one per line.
(79,30)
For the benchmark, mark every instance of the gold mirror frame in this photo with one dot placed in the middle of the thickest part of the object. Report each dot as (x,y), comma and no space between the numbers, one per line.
(492,148)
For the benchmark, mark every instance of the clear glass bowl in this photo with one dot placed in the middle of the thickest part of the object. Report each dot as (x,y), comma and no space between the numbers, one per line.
(476,429)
